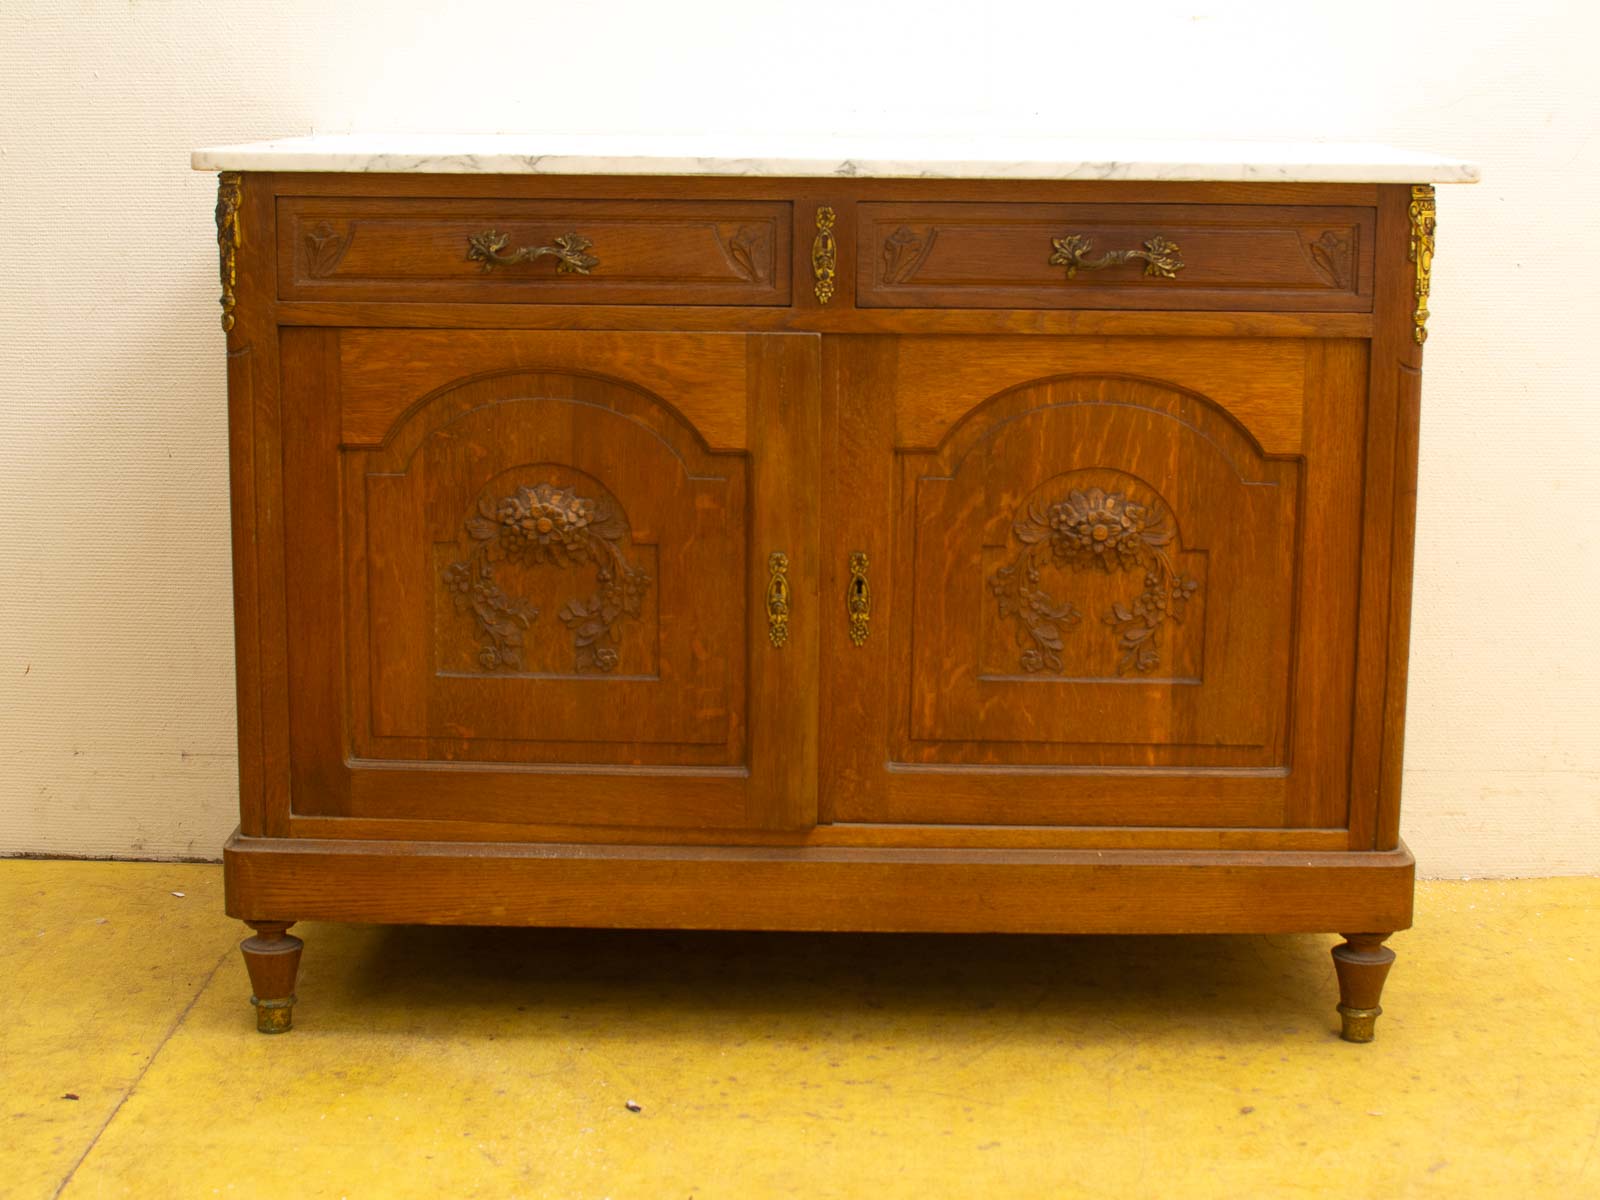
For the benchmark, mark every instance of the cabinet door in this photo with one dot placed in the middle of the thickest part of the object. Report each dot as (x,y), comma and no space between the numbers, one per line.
(528,576)
(1110,581)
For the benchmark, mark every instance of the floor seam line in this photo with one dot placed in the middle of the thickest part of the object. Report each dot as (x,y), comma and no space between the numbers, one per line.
(143,1071)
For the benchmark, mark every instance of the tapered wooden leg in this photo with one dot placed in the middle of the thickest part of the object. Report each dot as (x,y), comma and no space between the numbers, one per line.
(273,959)
(1362,964)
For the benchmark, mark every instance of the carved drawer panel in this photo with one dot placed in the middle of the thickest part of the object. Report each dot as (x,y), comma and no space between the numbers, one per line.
(534,251)
(1237,257)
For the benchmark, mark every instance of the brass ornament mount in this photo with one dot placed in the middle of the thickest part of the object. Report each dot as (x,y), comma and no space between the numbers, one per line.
(570,250)
(1160,255)
(229,238)
(824,255)
(858,598)
(1424,217)
(778,598)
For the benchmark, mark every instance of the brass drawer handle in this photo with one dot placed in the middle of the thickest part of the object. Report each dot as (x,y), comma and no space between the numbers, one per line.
(778,597)
(570,252)
(1160,256)
(858,598)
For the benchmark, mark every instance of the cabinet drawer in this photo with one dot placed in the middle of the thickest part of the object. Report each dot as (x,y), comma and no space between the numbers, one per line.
(1158,256)
(534,251)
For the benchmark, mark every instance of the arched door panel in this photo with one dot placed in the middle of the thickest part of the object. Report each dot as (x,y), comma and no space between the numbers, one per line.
(527,578)
(1113,582)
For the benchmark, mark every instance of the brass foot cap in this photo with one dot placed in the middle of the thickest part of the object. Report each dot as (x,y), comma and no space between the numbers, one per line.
(1360,1024)
(274,1016)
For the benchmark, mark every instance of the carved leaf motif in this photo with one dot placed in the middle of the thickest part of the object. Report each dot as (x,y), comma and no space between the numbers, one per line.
(1333,255)
(547,525)
(747,250)
(904,252)
(325,248)
(1090,530)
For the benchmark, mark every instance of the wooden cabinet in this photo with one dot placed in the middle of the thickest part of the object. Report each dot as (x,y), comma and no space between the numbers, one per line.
(822,554)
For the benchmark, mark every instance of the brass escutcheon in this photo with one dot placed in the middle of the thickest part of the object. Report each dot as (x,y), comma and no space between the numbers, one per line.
(858,598)
(778,597)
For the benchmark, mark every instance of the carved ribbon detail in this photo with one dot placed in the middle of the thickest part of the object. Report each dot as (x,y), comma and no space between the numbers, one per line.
(551,525)
(1086,531)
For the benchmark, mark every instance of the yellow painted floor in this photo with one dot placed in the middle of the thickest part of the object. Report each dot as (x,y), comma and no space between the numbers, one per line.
(497,1063)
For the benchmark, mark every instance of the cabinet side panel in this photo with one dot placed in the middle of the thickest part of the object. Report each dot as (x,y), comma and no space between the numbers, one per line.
(257,490)
(246,625)
(1388,526)
(1392,763)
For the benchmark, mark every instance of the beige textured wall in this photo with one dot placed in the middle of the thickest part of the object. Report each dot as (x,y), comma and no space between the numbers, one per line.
(116,701)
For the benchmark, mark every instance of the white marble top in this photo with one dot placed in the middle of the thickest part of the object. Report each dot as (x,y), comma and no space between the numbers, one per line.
(843,157)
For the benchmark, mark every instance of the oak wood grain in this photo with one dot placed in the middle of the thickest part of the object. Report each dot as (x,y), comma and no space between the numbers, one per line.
(838,317)
(938,381)
(878,833)
(881,889)
(383,376)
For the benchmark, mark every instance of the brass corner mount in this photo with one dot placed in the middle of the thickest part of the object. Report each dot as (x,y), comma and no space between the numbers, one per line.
(229,238)
(1423,220)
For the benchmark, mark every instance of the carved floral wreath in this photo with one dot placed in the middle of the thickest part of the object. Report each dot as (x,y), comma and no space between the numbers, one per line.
(1092,530)
(538,525)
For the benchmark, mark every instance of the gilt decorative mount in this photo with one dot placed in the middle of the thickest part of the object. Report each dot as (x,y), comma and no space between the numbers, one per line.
(778,598)
(1423,219)
(858,599)
(229,239)
(824,255)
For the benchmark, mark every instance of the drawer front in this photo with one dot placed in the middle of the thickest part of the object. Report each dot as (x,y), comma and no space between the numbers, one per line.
(1158,256)
(535,251)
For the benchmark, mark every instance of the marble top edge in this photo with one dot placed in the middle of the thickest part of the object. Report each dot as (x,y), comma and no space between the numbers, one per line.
(844,158)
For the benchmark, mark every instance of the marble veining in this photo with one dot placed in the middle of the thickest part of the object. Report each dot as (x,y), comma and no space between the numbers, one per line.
(841,157)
